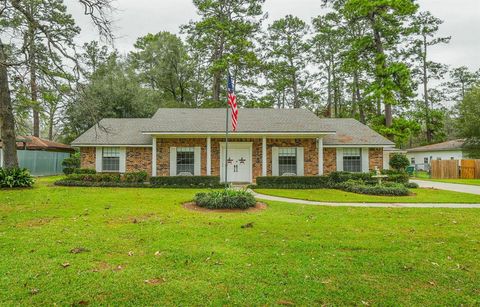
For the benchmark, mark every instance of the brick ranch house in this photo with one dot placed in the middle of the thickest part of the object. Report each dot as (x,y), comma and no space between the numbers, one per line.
(268,142)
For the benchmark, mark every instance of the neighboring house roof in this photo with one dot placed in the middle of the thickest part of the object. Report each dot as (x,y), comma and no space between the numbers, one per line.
(249,121)
(352,132)
(136,131)
(116,131)
(36,143)
(445,146)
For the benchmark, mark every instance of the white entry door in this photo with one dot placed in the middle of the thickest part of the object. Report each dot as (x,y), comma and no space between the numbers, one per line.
(239,163)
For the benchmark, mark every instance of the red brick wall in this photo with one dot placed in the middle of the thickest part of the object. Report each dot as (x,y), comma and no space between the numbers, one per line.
(375,156)
(329,160)
(139,159)
(309,148)
(87,157)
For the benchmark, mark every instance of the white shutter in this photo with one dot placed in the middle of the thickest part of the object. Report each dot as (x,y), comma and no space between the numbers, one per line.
(123,160)
(198,161)
(98,159)
(339,159)
(274,161)
(300,161)
(365,160)
(173,161)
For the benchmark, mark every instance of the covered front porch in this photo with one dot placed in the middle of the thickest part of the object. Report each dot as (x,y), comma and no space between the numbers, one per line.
(249,156)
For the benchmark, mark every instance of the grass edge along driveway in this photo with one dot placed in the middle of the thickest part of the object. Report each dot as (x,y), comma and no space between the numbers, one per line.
(332,195)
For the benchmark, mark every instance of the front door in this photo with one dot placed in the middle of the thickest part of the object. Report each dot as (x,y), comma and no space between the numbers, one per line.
(239,163)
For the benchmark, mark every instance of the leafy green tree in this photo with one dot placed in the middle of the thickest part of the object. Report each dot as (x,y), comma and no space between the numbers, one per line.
(163,65)
(286,52)
(224,37)
(461,81)
(426,26)
(467,122)
(386,31)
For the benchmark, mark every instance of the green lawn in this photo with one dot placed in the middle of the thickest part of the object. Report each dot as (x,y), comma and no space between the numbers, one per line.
(420,196)
(293,254)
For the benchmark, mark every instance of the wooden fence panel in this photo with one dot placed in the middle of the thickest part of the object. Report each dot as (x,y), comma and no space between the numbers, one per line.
(468,169)
(444,169)
(477,169)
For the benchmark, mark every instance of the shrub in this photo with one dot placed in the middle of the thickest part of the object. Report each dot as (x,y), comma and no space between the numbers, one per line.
(71,163)
(135,177)
(186,182)
(391,189)
(101,177)
(399,162)
(339,177)
(411,185)
(398,178)
(225,199)
(84,171)
(294,182)
(15,178)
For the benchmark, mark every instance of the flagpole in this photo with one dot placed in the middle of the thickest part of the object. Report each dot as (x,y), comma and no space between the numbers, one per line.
(226,149)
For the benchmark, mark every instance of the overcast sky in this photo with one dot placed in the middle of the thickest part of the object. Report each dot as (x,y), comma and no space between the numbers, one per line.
(135,18)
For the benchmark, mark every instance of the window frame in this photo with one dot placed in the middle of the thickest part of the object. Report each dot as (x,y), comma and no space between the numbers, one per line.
(185,153)
(110,157)
(287,161)
(352,160)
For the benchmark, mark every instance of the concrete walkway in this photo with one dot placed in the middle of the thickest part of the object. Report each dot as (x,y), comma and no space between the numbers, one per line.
(379,205)
(464,188)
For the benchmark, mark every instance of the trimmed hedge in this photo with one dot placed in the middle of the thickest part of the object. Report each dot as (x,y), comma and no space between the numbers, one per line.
(101,177)
(186,182)
(84,171)
(15,178)
(382,190)
(74,183)
(294,182)
(135,177)
(226,199)
(339,177)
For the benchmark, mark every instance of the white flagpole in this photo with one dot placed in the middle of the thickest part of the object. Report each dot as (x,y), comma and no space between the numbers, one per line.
(226,148)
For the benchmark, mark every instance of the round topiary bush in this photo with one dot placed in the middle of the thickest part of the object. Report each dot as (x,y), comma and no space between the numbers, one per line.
(399,162)
(226,199)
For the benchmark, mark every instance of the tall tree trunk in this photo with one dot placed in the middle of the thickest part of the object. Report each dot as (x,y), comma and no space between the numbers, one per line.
(329,93)
(358,98)
(425,92)
(33,79)
(217,75)
(50,125)
(381,66)
(6,115)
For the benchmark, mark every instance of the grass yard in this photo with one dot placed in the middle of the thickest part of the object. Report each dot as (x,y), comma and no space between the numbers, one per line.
(144,248)
(331,195)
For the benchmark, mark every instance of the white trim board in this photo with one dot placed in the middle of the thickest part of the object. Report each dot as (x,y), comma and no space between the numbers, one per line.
(358,146)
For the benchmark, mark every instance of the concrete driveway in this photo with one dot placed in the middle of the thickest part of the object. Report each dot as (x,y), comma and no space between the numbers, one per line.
(472,189)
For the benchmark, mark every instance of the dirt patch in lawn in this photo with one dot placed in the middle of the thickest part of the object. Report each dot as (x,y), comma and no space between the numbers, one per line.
(194,207)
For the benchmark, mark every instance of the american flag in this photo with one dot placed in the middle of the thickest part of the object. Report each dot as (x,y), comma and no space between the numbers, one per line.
(232,101)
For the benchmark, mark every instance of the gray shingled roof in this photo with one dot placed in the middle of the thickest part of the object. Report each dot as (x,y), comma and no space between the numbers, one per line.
(444,146)
(116,131)
(249,120)
(352,132)
(131,131)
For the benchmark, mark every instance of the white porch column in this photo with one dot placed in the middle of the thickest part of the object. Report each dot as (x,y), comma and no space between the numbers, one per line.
(154,156)
(209,156)
(320,156)
(264,157)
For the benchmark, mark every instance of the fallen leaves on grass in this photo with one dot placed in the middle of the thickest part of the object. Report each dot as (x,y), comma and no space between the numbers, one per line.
(65,265)
(285,303)
(248,225)
(154,281)
(78,250)
(130,253)
(158,253)
(34,291)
